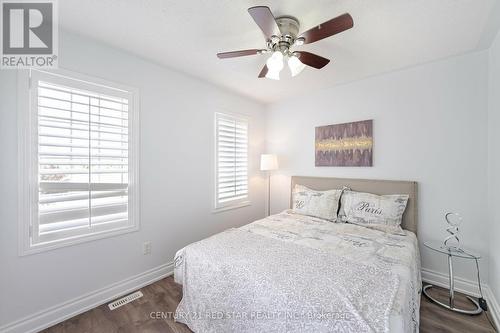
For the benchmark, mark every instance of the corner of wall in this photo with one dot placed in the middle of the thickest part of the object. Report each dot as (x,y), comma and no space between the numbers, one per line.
(493,165)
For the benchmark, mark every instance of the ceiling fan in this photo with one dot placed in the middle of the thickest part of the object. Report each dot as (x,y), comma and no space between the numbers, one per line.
(281,35)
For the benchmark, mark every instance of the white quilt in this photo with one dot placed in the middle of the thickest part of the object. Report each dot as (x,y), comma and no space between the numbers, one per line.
(293,273)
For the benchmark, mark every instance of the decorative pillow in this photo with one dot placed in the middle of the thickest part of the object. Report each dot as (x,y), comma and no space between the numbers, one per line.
(322,204)
(380,212)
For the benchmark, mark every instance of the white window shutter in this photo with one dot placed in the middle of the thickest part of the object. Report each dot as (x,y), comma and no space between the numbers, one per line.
(231,160)
(82,159)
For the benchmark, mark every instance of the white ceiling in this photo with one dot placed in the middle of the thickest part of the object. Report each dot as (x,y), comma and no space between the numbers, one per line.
(187,34)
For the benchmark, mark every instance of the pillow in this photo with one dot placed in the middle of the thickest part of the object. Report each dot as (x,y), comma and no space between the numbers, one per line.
(379,212)
(322,204)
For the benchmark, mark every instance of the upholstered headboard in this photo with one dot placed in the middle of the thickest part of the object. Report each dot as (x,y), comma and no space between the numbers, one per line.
(376,186)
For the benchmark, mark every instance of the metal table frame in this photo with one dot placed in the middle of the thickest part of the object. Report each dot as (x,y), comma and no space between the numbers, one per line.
(451,306)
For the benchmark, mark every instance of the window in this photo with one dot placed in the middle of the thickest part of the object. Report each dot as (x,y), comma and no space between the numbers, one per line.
(80,160)
(231,136)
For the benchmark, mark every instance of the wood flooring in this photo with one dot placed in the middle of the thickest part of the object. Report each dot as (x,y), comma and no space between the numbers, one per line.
(165,294)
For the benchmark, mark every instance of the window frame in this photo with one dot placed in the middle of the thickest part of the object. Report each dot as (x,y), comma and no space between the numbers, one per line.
(28,158)
(237,203)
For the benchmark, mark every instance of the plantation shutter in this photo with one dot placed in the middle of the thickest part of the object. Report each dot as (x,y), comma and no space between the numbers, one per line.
(83,158)
(232,160)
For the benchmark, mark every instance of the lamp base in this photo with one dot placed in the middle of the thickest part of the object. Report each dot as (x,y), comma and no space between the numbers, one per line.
(268,193)
(477,310)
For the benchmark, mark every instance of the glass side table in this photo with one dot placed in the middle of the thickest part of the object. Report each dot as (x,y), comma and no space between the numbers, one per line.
(452,252)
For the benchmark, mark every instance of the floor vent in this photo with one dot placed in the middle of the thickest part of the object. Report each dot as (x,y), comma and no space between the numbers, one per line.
(124,300)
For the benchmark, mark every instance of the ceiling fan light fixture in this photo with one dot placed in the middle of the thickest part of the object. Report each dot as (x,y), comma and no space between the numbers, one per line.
(282,35)
(299,41)
(275,62)
(273,75)
(274,65)
(295,65)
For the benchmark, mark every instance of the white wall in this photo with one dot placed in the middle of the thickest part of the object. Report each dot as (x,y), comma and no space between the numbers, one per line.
(429,126)
(494,166)
(176,175)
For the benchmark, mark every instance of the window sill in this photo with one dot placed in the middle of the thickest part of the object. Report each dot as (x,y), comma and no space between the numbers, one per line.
(47,246)
(231,207)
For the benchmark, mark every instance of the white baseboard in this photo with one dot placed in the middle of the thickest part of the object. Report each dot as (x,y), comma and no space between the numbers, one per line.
(467,287)
(493,307)
(441,280)
(63,311)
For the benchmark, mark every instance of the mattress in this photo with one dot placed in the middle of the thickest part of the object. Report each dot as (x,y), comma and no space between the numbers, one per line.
(398,255)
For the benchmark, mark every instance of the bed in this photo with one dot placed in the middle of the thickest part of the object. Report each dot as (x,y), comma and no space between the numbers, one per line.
(295,273)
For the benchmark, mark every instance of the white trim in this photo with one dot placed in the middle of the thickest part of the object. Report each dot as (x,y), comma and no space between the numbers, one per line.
(86,79)
(441,280)
(28,242)
(231,207)
(467,287)
(493,307)
(23,114)
(47,246)
(56,314)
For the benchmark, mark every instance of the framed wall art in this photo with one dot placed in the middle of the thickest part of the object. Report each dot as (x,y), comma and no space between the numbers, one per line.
(349,144)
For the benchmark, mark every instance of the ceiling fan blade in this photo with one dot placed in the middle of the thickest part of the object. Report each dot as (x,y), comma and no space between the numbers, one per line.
(311,59)
(328,28)
(263,72)
(265,20)
(240,53)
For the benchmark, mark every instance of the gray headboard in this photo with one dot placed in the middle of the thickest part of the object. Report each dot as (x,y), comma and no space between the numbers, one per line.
(380,187)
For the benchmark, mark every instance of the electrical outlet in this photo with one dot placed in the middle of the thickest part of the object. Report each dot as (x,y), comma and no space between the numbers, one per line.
(146,248)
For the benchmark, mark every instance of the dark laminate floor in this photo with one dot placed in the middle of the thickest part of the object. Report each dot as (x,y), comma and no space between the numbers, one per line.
(164,295)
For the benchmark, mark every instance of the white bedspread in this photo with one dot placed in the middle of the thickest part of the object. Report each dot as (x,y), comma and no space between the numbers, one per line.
(320,273)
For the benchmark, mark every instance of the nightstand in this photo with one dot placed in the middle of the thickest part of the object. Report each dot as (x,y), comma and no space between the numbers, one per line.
(458,253)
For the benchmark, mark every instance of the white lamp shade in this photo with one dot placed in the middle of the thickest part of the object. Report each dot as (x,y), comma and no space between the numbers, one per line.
(274,65)
(295,65)
(268,162)
(273,75)
(275,62)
